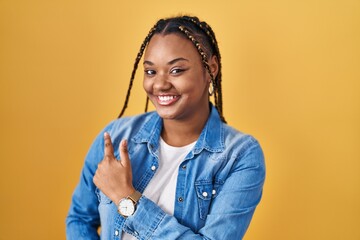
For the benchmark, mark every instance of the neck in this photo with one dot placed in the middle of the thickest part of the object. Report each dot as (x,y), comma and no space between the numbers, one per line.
(179,133)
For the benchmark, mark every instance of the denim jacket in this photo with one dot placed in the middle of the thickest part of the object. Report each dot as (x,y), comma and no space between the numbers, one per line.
(219,185)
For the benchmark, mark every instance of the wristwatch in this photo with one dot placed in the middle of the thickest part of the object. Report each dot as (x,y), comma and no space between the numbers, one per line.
(127,205)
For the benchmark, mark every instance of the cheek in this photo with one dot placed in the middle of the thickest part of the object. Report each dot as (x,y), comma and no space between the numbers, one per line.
(147,85)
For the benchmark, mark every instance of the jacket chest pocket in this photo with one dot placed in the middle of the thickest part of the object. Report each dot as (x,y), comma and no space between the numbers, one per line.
(206,191)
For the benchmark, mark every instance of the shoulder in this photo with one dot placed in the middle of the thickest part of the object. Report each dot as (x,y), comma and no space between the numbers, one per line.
(240,145)
(232,134)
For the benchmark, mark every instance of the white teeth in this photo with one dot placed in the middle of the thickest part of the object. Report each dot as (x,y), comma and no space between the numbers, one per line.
(166,98)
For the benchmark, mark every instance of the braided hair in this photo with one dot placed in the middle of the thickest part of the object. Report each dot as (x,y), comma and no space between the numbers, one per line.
(204,40)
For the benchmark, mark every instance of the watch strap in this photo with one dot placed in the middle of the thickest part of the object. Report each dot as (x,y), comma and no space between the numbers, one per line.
(135,196)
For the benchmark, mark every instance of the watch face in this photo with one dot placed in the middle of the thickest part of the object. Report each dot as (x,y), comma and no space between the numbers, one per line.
(126,207)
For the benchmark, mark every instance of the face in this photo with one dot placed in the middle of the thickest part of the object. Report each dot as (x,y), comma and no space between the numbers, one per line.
(175,79)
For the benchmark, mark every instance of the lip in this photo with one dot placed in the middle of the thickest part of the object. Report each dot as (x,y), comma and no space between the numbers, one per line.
(167,100)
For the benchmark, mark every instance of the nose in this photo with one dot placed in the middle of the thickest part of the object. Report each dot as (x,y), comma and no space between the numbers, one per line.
(161,82)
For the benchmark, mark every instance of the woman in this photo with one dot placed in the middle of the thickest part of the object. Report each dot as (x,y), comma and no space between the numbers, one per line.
(182,172)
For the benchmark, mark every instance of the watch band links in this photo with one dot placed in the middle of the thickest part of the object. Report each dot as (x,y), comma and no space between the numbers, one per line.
(135,196)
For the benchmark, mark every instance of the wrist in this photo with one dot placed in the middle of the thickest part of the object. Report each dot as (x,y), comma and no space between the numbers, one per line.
(123,194)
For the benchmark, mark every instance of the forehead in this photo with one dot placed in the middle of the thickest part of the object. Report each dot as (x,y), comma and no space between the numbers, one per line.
(170,46)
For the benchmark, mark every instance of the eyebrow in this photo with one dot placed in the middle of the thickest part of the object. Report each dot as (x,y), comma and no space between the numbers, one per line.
(169,63)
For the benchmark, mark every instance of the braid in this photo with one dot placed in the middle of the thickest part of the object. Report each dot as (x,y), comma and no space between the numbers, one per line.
(203,57)
(200,50)
(137,60)
(217,81)
(219,76)
(146,103)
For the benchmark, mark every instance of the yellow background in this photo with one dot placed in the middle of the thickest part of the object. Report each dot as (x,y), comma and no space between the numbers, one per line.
(291,77)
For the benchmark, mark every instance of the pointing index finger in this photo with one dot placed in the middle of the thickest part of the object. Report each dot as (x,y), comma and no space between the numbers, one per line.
(108,147)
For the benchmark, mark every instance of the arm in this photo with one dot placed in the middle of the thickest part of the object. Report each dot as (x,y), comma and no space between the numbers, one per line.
(83,218)
(230,212)
(234,207)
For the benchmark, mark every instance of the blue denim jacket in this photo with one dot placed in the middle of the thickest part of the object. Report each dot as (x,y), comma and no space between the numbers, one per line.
(218,188)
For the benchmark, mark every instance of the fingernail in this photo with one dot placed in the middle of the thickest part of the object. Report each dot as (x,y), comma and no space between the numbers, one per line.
(124,142)
(106,134)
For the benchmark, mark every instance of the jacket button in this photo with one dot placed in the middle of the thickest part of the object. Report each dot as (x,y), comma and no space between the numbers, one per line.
(116,233)
(180,199)
(183,167)
(205,194)
(153,168)
(213,192)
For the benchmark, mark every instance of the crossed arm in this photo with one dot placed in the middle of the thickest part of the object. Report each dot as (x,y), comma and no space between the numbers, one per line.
(241,192)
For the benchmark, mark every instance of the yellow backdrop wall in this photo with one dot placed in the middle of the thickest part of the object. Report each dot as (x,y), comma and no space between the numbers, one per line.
(291,78)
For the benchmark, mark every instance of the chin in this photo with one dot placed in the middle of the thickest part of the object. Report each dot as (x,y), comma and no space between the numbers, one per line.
(170,113)
(166,115)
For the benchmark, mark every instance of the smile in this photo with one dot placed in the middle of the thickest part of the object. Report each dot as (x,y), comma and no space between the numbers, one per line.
(167,99)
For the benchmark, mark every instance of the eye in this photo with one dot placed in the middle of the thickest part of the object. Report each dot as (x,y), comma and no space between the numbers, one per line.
(176,71)
(149,72)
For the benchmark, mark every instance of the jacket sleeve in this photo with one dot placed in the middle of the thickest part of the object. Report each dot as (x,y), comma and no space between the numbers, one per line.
(83,218)
(230,212)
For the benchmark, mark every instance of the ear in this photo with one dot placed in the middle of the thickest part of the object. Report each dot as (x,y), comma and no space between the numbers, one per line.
(214,65)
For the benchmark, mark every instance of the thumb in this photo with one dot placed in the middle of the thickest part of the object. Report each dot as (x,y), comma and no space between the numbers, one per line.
(124,155)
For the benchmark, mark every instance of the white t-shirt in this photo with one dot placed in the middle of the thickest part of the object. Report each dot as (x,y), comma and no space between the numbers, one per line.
(161,188)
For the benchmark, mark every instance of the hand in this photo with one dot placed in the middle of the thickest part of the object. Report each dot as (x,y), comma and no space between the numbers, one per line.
(113,177)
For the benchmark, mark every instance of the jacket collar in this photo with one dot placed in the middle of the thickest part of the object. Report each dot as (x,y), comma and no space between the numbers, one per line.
(210,139)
